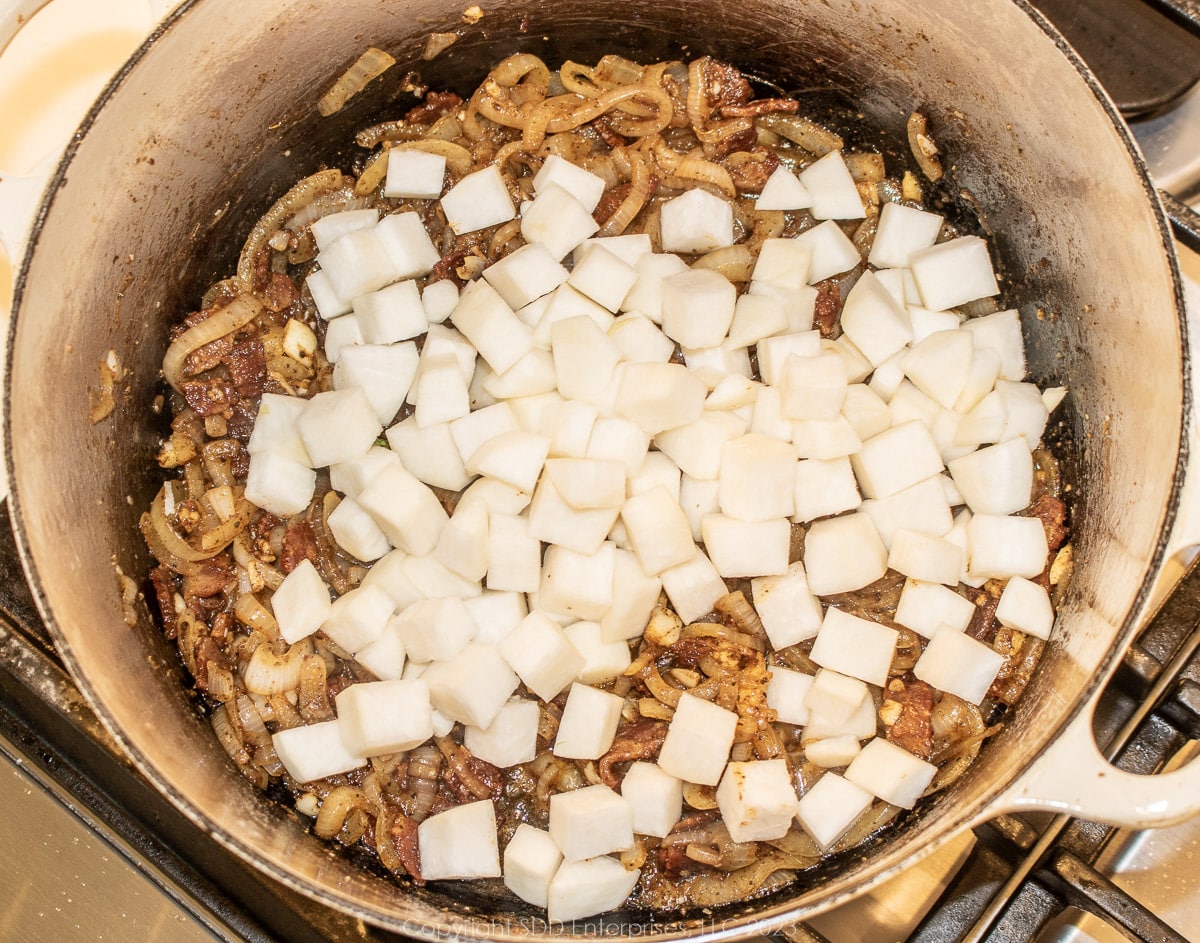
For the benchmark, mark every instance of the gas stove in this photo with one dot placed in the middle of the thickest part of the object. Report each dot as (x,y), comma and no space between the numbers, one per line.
(95,853)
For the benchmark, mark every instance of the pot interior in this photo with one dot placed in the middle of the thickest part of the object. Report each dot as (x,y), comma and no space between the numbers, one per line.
(215,118)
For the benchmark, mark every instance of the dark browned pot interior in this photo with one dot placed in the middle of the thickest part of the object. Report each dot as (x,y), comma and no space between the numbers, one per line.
(215,118)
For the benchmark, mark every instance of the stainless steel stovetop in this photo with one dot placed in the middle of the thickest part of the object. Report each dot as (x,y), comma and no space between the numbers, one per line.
(93,853)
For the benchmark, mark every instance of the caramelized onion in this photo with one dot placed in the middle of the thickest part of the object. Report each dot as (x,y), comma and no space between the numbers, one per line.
(225,320)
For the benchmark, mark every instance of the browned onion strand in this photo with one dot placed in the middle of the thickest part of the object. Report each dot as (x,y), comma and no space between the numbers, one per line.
(650,132)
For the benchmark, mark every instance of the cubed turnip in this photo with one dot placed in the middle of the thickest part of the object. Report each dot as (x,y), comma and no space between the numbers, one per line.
(655,797)
(658,530)
(922,556)
(428,453)
(435,629)
(997,479)
(338,425)
(645,297)
(757,479)
(279,484)
(658,396)
(438,299)
(301,603)
(774,351)
(315,751)
(696,221)
(746,548)
(496,613)
(491,326)
(542,655)
(588,725)
(835,696)
(477,201)
(553,521)
(275,428)
(927,607)
(922,507)
(824,487)
(357,617)
(833,191)
(591,821)
(462,544)
(873,320)
(351,477)
(786,692)
(577,585)
(825,439)
(695,447)
(510,739)
(1001,332)
(1000,546)
(698,740)
(891,773)
(697,307)
(384,372)
(634,596)
(356,531)
(602,276)
(525,274)
(602,660)
(812,387)
(409,248)
(514,555)
(831,250)
(472,686)
(557,220)
(587,187)
(902,230)
(515,458)
(405,508)
(584,888)
(460,843)
(1025,606)
(414,174)
(783,191)
(789,610)
(379,717)
(832,752)
(757,800)
(640,340)
(693,587)
(843,553)
(959,664)
(939,365)
(854,646)
(385,657)
(829,808)
(896,459)
(954,272)
(357,263)
(394,313)
(531,859)
(585,359)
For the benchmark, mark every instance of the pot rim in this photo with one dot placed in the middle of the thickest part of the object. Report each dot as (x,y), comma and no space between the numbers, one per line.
(767,918)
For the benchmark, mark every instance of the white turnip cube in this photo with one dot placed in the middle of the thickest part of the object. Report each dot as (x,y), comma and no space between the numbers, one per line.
(385,657)
(697,306)
(584,888)
(491,326)
(698,739)
(843,553)
(356,618)
(472,686)
(954,272)
(351,477)
(774,351)
(639,340)
(603,276)
(856,647)
(693,587)
(496,496)
(833,191)
(413,174)
(577,585)
(824,487)
(891,773)
(658,530)
(786,692)
(390,573)
(531,859)
(460,843)
(514,555)
(832,752)
(477,201)
(658,396)
(799,305)
(384,372)
(328,229)
(940,365)
(541,655)
(442,340)
(602,660)
(356,531)
(405,508)
(757,800)
(830,807)
(834,696)
(1025,606)
(981,378)
(338,425)
(924,321)
(557,220)
(831,250)
(634,596)
(496,613)
(440,393)
(711,365)
(698,497)
(428,453)
(756,317)
(927,607)
(315,751)
(357,263)
(588,725)
(532,375)
(514,458)
(433,579)
(331,306)
(957,663)
(861,724)
(394,313)
(462,544)
(655,797)
(525,274)
(557,171)
(734,394)
(645,297)
(697,221)
(275,428)
(789,610)
(438,299)
(591,821)
(510,739)
(746,548)
(873,320)
(812,387)
(757,479)
(999,547)
(278,484)
(783,191)
(409,249)
(379,717)
(997,479)
(585,359)
(629,248)
(902,231)
(301,603)
(563,303)
(824,439)
(896,459)
(1024,412)
(481,425)
(587,483)
(553,521)
(921,507)
(695,447)
(865,410)
(1001,332)
(435,629)
(921,556)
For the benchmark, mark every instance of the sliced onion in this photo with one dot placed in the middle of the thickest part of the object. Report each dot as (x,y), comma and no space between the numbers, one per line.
(367,67)
(237,314)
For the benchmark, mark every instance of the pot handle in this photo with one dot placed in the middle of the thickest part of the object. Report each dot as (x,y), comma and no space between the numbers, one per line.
(21,195)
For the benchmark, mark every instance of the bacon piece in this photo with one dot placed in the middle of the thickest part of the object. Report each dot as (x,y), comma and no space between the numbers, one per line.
(751,176)
(435,106)
(247,363)
(279,292)
(403,834)
(1052,512)
(212,397)
(760,106)
(206,357)
(299,543)
(162,581)
(912,728)
(724,85)
(637,741)
(1022,653)
(827,307)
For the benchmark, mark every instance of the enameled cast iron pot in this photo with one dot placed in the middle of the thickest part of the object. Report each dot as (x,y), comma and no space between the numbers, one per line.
(214,116)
